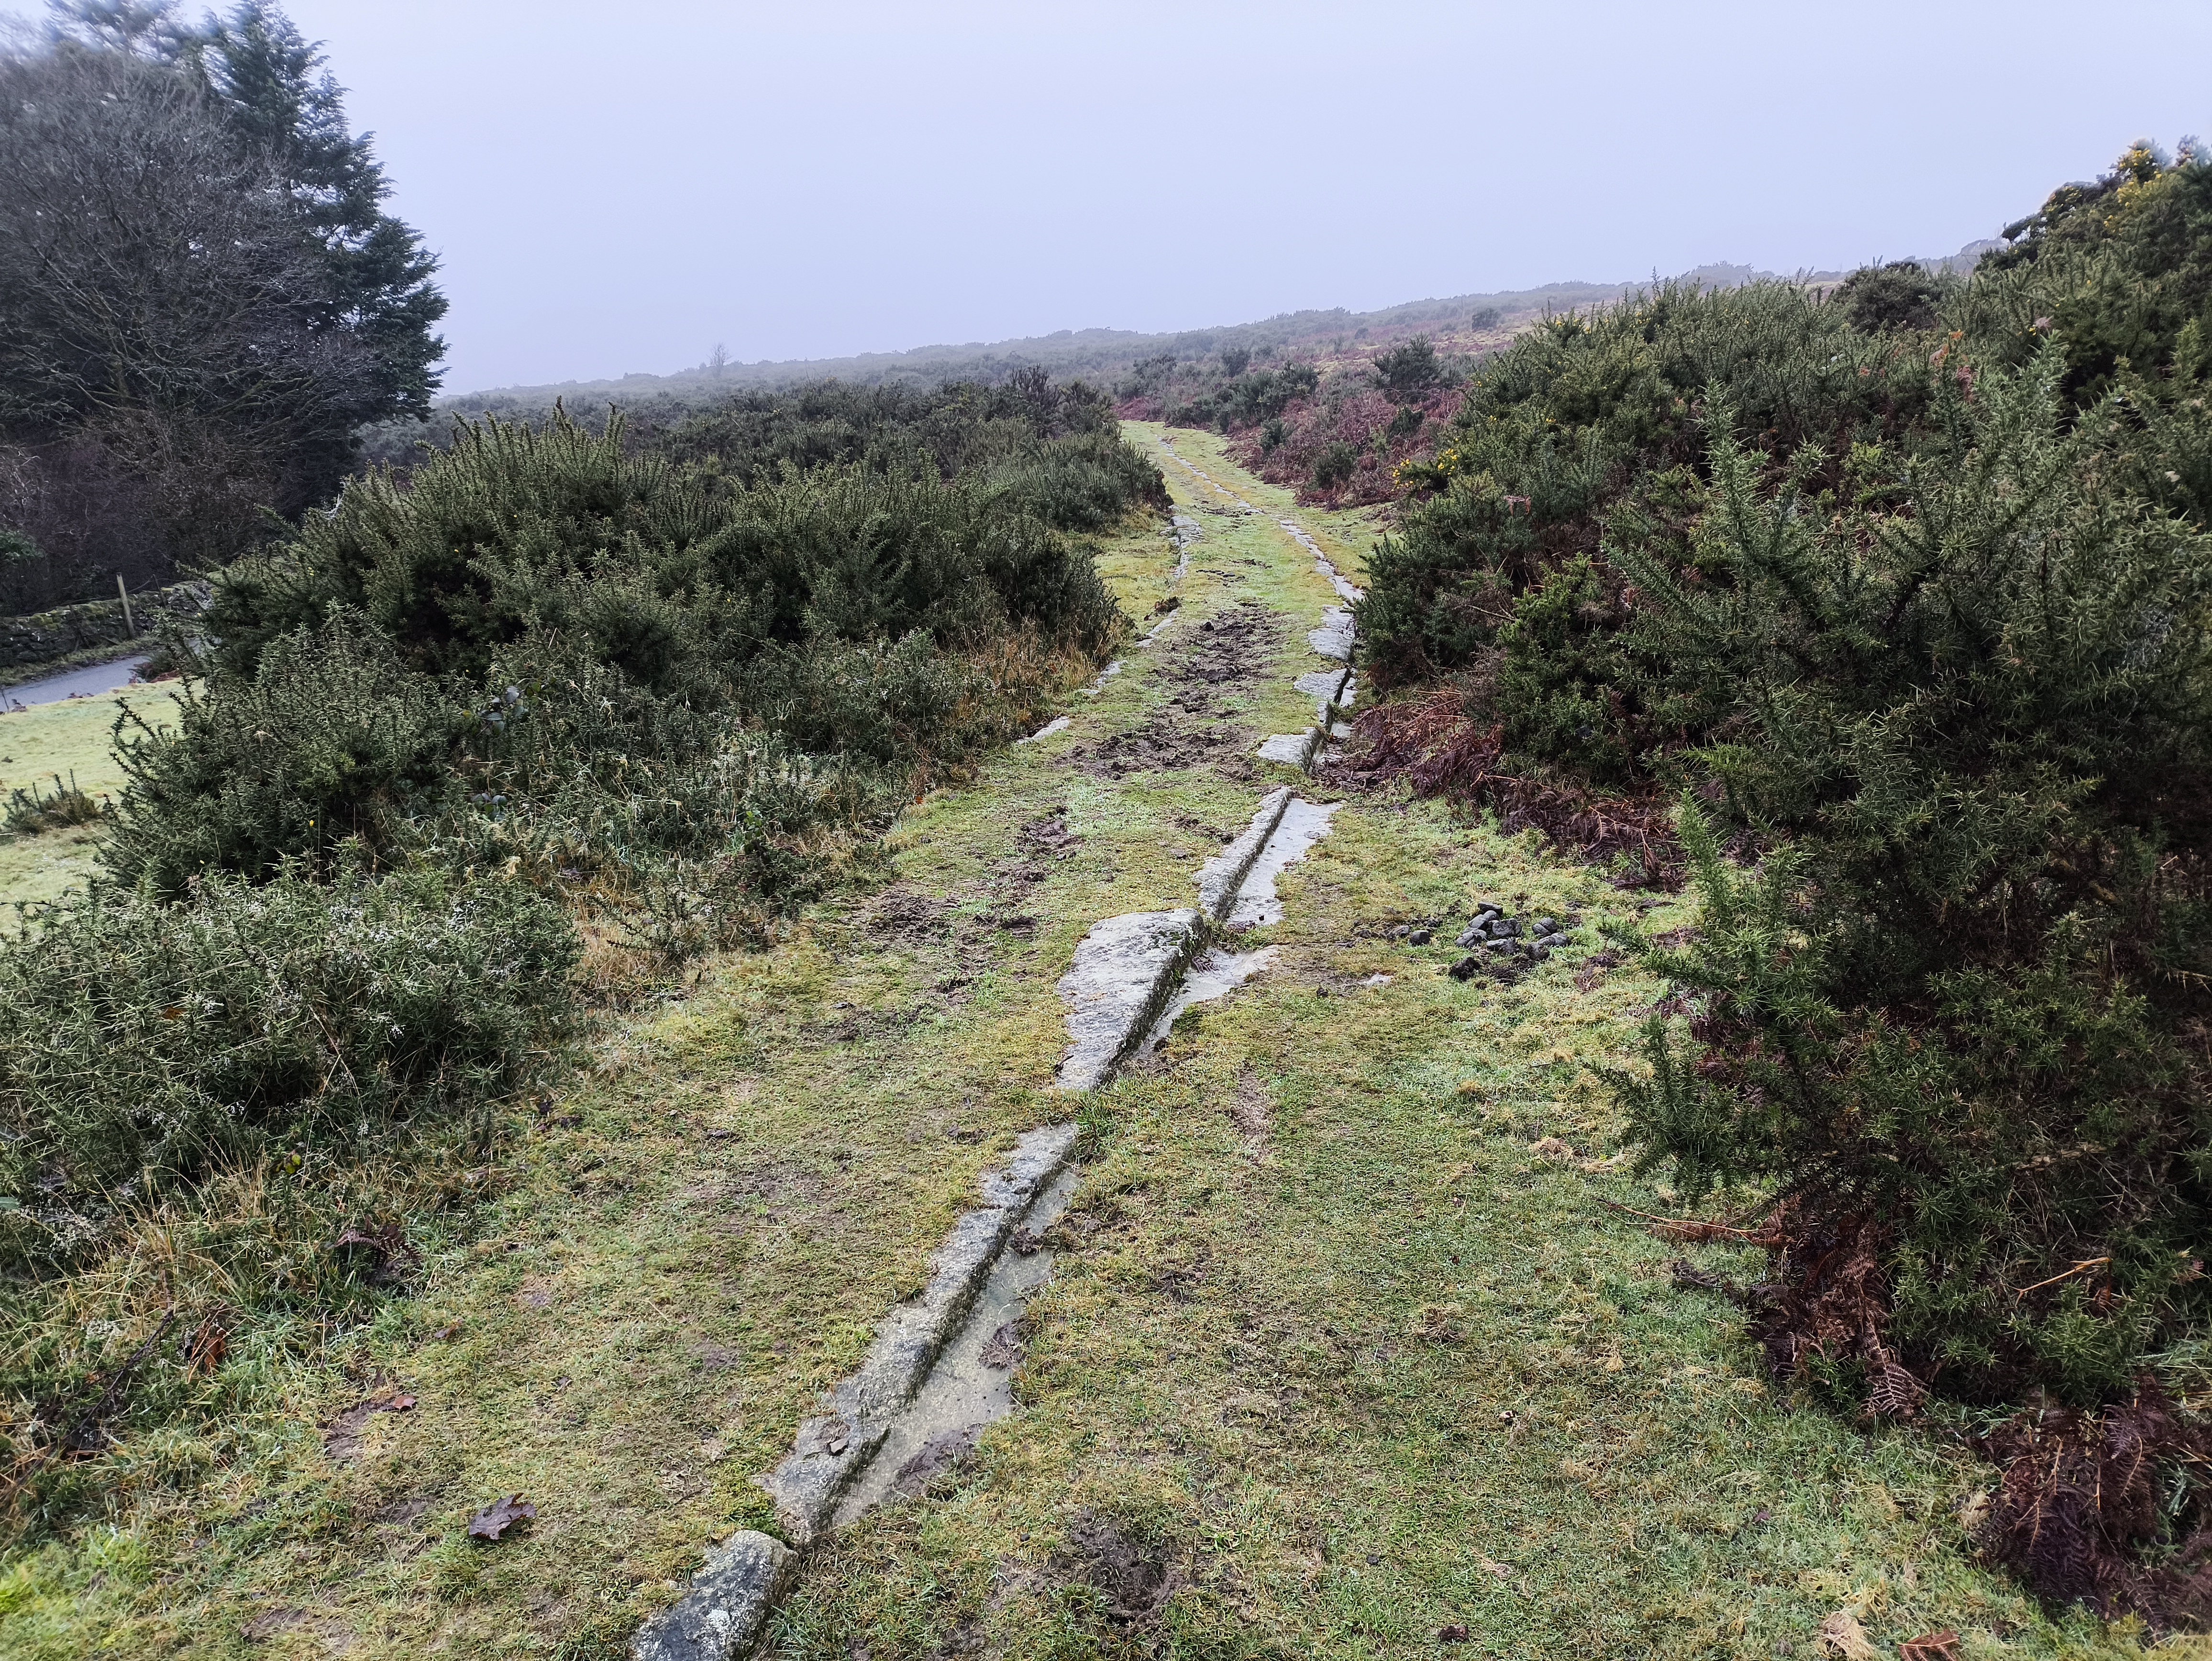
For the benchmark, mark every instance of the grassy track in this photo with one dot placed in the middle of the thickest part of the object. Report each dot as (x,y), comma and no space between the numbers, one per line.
(1332,1362)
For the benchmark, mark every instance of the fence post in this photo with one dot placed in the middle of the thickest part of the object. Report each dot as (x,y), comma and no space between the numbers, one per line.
(125,594)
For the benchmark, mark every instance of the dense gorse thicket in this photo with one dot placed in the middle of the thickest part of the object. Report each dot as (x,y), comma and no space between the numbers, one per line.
(1907,588)
(639,686)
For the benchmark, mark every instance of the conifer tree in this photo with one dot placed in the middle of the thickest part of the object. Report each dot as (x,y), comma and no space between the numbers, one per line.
(280,95)
(203,296)
(275,91)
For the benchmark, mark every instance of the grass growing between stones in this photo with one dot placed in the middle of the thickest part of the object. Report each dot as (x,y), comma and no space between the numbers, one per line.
(1332,1363)
(73,739)
(623,1315)
(1312,1265)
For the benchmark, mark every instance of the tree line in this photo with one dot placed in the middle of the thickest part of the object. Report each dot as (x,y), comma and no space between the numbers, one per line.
(203,297)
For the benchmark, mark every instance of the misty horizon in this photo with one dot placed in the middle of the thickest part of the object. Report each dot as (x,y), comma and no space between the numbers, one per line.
(615,198)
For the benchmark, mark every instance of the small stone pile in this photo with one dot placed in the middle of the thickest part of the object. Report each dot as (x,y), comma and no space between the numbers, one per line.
(1497,945)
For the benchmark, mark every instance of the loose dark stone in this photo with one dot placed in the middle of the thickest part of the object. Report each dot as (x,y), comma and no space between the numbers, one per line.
(1465,968)
(1419,937)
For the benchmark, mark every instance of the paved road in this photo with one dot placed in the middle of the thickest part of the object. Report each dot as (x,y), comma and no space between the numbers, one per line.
(82,683)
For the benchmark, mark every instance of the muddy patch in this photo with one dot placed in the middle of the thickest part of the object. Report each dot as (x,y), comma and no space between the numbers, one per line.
(847,1025)
(1040,844)
(405,1513)
(771,1192)
(1252,1110)
(1047,837)
(902,914)
(1133,1577)
(1193,724)
(1233,645)
(1180,738)
(344,1436)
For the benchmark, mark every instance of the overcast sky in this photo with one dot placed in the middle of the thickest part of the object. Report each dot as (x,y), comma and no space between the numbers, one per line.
(618,187)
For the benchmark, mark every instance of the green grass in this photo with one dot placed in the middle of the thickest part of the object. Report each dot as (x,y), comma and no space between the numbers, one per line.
(1313,1270)
(1311,1264)
(73,740)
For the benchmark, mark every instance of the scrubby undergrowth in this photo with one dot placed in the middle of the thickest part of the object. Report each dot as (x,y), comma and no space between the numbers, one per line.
(483,749)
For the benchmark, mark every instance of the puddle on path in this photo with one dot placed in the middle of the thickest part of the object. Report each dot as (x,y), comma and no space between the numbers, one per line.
(972,1384)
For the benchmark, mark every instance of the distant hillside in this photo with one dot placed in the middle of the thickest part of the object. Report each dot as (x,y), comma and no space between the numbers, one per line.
(1093,354)
(1463,324)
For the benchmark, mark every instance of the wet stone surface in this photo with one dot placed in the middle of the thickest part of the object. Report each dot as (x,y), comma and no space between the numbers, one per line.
(1303,824)
(836,1446)
(1333,639)
(971,1384)
(1124,972)
(1223,876)
(722,1615)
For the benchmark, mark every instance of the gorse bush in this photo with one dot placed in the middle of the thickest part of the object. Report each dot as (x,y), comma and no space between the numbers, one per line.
(543,643)
(1409,369)
(550,679)
(671,570)
(331,740)
(1906,591)
(2121,269)
(1955,1001)
(142,1041)
(31,811)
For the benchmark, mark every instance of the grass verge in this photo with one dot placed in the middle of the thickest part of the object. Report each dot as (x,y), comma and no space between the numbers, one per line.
(73,739)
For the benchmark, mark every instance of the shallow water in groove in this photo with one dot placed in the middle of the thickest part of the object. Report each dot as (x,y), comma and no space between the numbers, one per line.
(1305,823)
(1213,974)
(963,1393)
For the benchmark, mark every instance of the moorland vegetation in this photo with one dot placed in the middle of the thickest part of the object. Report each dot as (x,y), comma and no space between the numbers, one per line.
(481,751)
(1880,611)
(490,746)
